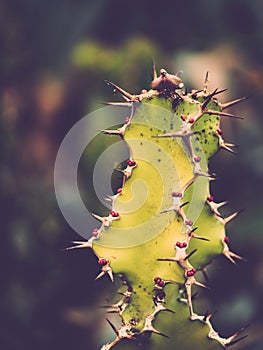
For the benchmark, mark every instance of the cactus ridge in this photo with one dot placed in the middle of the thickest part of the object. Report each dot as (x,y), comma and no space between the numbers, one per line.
(185,245)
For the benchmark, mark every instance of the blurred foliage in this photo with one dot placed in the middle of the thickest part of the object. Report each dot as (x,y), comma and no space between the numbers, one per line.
(55,56)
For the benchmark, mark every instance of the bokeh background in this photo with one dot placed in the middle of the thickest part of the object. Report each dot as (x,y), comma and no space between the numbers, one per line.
(55,55)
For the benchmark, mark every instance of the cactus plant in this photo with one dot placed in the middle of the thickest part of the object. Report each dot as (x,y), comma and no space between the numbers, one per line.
(164,226)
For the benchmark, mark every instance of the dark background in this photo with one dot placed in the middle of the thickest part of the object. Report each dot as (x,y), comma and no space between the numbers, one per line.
(55,55)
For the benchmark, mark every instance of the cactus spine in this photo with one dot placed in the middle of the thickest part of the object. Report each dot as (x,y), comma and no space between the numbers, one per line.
(157,248)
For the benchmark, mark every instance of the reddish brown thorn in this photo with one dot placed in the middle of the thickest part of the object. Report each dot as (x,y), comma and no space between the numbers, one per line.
(124,93)
(231,103)
(117,104)
(208,99)
(220,91)
(206,82)
(201,238)
(222,114)
(190,254)
(166,259)
(182,205)
(194,229)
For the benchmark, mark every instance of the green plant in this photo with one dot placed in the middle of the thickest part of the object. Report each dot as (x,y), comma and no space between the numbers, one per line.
(158,247)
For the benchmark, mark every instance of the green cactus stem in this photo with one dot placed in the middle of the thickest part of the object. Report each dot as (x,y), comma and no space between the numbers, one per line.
(164,226)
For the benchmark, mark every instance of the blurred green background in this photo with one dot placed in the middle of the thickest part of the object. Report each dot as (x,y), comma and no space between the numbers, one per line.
(55,55)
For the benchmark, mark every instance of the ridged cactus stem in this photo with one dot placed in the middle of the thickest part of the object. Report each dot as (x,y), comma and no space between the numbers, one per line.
(158,249)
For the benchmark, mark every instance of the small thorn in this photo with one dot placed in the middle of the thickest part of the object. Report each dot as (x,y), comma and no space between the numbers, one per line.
(220,91)
(124,93)
(101,274)
(100,218)
(206,82)
(171,311)
(228,149)
(206,316)
(219,205)
(168,310)
(222,114)
(149,328)
(86,244)
(236,256)
(154,70)
(201,238)
(199,172)
(106,306)
(226,146)
(236,341)
(231,217)
(201,285)
(116,331)
(117,104)
(162,334)
(106,269)
(228,254)
(171,282)
(208,99)
(109,272)
(190,254)
(166,210)
(166,259)
(232,339)
(215,206)
(178,134)
(205,274)
(110,132)
(182,205)
(231,103)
